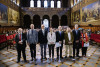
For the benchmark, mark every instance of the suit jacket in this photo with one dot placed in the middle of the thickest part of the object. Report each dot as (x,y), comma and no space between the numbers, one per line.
(51,38)
(23,40)
(32,38)
(42,38)
(59,37)
(67,39)
(76,36)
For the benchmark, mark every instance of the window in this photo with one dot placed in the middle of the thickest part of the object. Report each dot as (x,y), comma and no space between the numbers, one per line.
(74,2)
(38,3)
(14,1)
(58,4)
(78,1)
(45,3)
(52,4)
(31,3)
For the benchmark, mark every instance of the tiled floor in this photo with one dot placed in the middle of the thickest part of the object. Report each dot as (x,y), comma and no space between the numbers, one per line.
(8,59)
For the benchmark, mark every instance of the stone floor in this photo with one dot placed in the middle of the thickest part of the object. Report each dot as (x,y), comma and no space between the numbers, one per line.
(8,59)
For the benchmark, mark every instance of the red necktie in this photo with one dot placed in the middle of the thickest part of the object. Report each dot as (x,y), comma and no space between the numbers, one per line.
(20,37)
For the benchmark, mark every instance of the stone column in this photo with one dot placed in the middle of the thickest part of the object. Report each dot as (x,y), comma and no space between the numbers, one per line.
(31,21)
(50,22)
(80,14)
(59,22)
(41,21)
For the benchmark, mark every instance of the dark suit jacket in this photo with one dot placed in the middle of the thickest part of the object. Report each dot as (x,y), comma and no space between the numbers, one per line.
(58,37)
(76,37)
(42,39)
(24,38)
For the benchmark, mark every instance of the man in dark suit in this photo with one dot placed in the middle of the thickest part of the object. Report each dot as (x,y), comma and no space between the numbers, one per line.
(76,43)
(20,40)
(59,38)
(42,38)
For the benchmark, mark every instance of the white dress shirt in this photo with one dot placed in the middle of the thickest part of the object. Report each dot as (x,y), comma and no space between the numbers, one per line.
(69,36)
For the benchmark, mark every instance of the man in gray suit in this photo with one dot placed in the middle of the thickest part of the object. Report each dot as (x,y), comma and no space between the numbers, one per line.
(32,40)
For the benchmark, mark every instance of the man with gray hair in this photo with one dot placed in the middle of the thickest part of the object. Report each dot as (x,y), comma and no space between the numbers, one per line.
(59,39)
(32,40)
(20,40)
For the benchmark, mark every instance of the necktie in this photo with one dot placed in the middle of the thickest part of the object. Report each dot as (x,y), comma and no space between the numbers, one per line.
(32,31)
(76,31)
(60,33)
(43,32)
(20,37)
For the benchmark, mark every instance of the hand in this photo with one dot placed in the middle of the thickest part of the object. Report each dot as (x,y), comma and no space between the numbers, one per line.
(39,43)
(60,42)
(28,44)
(52,43)
(69,42)
(20,42)
(77,41)
(86,42)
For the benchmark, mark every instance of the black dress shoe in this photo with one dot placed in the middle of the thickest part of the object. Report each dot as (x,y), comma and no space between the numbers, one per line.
(57,58)
(45,58)
(65,56)
(78,56)
(73,56)
(70,56)
(31,59)
(61,57)
(18,61)
(42,58)
(25,61)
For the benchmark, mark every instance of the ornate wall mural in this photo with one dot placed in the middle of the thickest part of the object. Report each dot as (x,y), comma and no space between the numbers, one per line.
(3,13)
(91,12)
(76,16)
(13,16)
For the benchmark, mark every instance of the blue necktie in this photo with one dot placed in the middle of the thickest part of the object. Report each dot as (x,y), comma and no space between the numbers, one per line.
(60,33)
(32,31)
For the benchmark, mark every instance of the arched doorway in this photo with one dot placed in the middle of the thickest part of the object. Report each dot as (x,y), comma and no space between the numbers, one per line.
(46,21)
(27,21)
(55,21)
(63,20)
(36,21)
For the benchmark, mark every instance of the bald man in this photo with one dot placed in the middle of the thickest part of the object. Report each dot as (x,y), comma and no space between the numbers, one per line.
(42,36)
(20,40)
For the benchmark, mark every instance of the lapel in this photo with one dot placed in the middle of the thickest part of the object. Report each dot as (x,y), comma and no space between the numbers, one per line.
(74,32)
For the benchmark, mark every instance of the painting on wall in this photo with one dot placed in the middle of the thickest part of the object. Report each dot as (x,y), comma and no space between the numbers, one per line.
(13,16)
(76,16)
(91,12)
(3,13)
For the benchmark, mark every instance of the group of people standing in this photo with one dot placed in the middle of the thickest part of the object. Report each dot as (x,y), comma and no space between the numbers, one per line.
(73,40)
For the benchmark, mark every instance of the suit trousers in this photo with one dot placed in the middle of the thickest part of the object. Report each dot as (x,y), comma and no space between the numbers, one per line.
(33,50)
(70,49)
(43,46)
(59,48)
(76,49)
(84,51)
(19,50)
(51,48)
